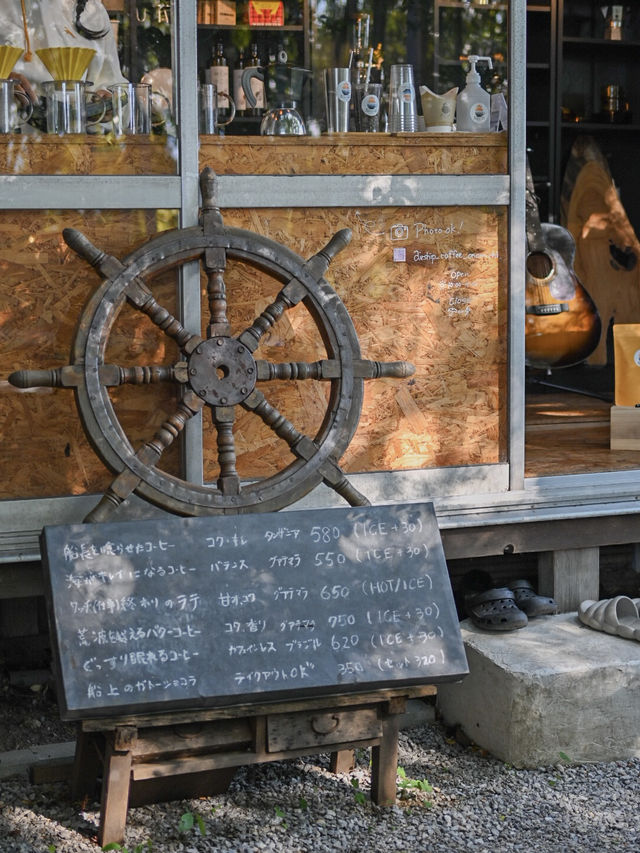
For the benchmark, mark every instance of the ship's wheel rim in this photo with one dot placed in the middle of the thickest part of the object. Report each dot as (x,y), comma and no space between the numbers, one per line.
(330,316)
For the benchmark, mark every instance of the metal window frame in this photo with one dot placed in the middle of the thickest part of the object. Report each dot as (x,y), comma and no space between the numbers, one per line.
(468,495)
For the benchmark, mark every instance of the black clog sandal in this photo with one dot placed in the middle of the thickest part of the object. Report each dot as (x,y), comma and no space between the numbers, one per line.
(495,610)
(530,602)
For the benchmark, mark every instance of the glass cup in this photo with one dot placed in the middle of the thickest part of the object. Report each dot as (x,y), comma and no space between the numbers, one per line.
(337,96)
(67,106)
(132,105)
(368,107)
(403,112)
(208,114)
(11,116)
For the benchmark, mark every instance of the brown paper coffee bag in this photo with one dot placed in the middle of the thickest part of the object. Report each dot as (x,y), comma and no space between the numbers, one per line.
(626,347)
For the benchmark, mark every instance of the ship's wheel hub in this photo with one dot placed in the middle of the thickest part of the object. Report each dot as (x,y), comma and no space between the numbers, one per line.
(222,371)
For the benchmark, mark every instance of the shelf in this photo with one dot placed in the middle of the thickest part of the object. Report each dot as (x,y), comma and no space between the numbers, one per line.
(287,28)
(596,42)
(464,4)
(599,126)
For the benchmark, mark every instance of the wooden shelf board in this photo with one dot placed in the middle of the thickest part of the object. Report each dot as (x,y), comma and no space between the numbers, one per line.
(598,42)
(568,433)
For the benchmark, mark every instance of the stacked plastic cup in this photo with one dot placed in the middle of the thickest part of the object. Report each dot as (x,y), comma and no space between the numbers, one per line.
(403,111)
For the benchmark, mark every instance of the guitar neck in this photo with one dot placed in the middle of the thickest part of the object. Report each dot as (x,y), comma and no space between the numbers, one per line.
(535,237)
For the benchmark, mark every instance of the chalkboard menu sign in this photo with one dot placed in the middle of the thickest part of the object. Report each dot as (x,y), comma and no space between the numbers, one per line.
(196,612)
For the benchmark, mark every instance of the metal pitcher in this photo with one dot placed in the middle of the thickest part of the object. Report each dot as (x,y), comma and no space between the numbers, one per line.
(283,92)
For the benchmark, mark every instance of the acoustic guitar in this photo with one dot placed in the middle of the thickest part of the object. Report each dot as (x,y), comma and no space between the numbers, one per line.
(607,259)
(562,324)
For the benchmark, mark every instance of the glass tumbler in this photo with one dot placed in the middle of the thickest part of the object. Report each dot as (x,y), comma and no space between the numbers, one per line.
(131,103)
(11,115)
(337,94)
(368,106)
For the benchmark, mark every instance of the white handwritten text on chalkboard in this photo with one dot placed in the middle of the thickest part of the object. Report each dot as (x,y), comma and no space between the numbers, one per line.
(362,598)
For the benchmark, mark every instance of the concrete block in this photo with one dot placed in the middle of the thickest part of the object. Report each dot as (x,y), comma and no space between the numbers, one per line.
(554,686)
(20,761)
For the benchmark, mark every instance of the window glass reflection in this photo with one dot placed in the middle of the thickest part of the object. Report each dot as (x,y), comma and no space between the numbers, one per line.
(296,42)
(433,36)
(82,70)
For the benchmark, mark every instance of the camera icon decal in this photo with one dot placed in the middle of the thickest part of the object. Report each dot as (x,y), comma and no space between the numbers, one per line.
(399,232)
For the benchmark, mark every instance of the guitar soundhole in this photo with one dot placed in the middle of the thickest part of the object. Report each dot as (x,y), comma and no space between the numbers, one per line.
(540,265)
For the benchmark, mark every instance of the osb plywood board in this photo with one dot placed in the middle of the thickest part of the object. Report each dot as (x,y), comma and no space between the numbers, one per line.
(357,154)
(43,451)
(426,285)
(440,304)
(39,154)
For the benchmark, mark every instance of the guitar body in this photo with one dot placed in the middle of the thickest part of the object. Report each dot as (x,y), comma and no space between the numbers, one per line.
(562,324)
(607,258)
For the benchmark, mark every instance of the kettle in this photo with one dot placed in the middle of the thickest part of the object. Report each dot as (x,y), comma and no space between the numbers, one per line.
(283,91)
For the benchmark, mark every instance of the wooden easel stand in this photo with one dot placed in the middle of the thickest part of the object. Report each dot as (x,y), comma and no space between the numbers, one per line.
(143,759)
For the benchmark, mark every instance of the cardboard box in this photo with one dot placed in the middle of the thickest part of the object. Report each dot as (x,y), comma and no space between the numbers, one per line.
(625,428)
(224,12)
(266,13)
(205,12)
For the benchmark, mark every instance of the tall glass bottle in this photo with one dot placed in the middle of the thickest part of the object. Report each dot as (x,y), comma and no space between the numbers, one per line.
(219,74)
(257,86)
(238,91)
(360,49)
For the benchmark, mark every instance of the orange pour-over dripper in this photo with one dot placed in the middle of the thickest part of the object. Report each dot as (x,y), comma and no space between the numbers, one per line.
(66,63)
(9,55)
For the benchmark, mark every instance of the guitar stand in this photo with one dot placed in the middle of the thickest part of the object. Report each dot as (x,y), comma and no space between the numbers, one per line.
(138,760)
(573,389)
(606,396)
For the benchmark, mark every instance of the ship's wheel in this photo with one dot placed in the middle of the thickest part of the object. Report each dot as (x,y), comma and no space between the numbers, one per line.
(217,372)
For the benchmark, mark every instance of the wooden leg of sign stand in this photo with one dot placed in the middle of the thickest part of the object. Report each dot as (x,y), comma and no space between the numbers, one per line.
(87,765)
(115,785)
(384,757)
(342,761)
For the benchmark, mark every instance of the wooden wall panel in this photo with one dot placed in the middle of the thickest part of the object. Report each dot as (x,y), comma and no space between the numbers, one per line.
(39,154)
(423,284)
(43,451)
(443,308)
(357,154)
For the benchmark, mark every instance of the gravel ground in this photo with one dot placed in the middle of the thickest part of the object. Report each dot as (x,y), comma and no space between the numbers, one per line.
(470,802)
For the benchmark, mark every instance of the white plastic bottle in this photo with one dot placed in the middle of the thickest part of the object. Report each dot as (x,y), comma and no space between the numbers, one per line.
(473,105)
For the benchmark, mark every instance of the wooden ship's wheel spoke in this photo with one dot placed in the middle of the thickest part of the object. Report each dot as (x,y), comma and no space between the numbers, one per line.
(327,369)
(149,455)
(224,418)
(111,375)
(303,447)
(217,296)
(216,370)
(252,336)
(136,292)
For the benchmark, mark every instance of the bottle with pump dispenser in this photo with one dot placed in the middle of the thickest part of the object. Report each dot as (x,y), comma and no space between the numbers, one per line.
(473,105)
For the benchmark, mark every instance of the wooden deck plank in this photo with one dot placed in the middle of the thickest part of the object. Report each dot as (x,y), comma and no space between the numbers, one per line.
(568,433)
